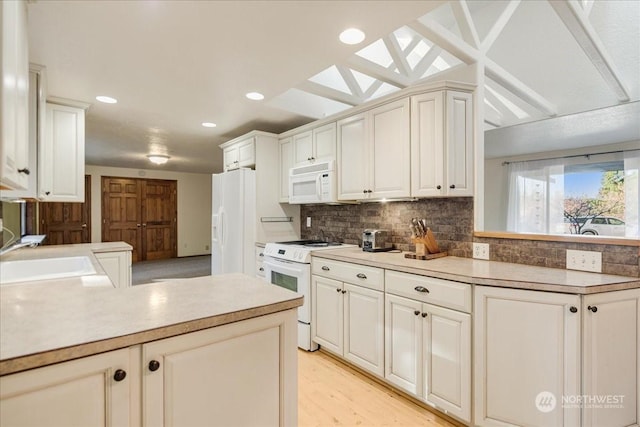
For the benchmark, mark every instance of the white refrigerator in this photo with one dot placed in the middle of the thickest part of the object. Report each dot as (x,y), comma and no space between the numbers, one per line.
(233,222)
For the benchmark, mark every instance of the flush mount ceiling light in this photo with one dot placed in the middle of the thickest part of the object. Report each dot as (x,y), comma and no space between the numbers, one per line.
(106,99)
(209,124)
(255,96)
(351,36)
(158,159)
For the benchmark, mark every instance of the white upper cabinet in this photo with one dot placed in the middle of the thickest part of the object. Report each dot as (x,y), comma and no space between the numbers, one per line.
(353,135)
(37,125)
(315,145)
(61,155)
(241,154)
(286,162)
(374,153)
(442,144)
(390,151)
(14,114)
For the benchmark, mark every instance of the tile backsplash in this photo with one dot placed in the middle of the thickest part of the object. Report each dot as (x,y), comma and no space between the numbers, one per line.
(451,220)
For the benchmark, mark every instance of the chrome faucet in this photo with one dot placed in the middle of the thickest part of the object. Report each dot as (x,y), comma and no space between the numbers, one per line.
(17,245)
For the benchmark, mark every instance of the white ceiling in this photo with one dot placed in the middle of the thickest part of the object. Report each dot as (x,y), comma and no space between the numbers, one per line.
(175,64)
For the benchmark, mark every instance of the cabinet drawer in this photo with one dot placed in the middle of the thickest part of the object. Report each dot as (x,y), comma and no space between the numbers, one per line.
(369,277)
(259,254)
(446,293)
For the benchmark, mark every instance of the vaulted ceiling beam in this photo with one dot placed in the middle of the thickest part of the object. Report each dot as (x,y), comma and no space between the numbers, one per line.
(350,80)
(426,61)
(444,38)
(398,56)
(518,88)
(327,92)
(465,23)
(372,89)
(499,25)
(376,71)
(578,24)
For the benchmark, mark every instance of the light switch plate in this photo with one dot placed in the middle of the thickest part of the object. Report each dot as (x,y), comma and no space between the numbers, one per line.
(308,221)
(584,261)
(481,250)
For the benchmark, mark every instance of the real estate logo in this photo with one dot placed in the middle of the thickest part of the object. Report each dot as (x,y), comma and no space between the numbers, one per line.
(546,401)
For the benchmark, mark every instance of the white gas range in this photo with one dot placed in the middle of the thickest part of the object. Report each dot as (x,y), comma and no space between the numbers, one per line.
(288,264)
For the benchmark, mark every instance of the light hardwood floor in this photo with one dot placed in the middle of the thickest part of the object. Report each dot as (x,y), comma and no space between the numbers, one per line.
(331,393)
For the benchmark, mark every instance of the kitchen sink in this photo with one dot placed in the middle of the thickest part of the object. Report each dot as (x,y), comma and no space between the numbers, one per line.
(44,269)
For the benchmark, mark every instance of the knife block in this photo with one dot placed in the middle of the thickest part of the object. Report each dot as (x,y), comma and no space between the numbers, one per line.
(421,250)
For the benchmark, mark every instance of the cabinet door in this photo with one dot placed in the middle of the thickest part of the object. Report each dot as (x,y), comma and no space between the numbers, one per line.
(117,265)
(231,156)
(61,155)
(427,145)
(353,137)
(324,142)
(14,114)
(247,153)
(303,148)
(364,328)
(525,343)
(240,374)
(327,313)
(447,360)
(459,144)
(286,162)
(82,392)
(611,325)
(403,343)
(390,174)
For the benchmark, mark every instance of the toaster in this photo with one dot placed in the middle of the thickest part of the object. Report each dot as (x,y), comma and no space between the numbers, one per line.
(376,240)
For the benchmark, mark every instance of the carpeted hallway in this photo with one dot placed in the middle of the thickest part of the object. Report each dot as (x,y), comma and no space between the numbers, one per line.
(150,271)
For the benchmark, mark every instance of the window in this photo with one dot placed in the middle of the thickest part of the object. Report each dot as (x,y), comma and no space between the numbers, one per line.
(589,195)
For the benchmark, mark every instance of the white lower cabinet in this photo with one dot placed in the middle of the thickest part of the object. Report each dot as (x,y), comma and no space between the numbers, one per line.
(428,353)
(83,392)
(610,362)
(238,374)
(203,378)
(117,265)
(348,319)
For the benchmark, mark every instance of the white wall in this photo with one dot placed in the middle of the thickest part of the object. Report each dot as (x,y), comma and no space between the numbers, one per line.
(496,180)
(194,205)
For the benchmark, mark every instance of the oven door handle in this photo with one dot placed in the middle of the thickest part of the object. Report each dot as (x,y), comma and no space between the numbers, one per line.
(273,264)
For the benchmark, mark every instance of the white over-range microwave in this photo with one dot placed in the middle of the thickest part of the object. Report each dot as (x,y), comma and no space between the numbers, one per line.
(313,183)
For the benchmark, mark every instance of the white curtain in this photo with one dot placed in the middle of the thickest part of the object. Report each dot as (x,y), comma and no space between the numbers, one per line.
(536,197)
(631,192)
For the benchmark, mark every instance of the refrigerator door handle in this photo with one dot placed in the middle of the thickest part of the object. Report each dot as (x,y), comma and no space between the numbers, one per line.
(214,222)
(221,226)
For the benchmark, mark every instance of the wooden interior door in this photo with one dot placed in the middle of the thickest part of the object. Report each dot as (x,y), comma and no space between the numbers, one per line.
(121,213)
(67,223)
(143,213)
(159,216)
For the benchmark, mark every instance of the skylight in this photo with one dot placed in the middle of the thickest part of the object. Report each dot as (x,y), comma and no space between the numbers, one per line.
(377,53)
(331,78)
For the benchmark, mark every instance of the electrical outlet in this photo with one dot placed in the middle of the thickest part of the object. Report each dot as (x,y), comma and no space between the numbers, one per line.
(308,221)
(584,260)
(481,250)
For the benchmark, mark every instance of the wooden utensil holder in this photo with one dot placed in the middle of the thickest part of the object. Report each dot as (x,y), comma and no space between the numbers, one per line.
(421,250)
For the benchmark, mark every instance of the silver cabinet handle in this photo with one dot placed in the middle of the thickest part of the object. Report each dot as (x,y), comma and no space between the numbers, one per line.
(325,268)
(361,276)
(421,289)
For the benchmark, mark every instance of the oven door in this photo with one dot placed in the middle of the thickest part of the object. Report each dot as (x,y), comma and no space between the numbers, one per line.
(294,276)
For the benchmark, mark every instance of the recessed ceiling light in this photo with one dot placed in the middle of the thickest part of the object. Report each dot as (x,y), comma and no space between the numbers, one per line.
(351,36)
(158,159)
(106,99)
(209,124)
(256,96)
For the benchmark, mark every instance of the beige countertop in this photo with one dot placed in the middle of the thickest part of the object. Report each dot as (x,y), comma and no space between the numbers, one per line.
(490,273)
(58,320)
